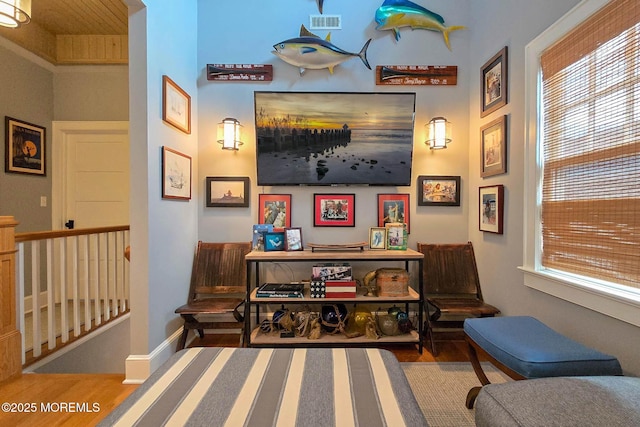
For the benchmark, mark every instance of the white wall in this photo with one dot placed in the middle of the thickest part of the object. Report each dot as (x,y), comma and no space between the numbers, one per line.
(163,232)
(514,23)
(227,34)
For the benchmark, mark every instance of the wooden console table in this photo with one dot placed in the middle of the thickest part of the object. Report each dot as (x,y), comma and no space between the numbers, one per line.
(255,338)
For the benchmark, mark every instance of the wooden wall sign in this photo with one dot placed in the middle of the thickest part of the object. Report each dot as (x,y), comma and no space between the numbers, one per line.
(417,75)
(240,72)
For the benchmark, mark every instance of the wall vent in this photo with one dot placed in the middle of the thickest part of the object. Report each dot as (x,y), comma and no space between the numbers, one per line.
(325,22)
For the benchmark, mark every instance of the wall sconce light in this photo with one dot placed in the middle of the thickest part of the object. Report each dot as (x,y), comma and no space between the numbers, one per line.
(438,133)
(230,131)
(14,13)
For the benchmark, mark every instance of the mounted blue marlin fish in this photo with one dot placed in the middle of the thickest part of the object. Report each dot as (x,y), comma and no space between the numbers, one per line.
(320,2)
(311,52)
(395,14)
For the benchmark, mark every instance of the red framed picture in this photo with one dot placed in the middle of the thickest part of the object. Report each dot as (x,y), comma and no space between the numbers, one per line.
(274,209)
(334,210)
(393,208)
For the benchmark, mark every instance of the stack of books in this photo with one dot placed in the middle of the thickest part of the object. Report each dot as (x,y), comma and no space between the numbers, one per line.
(280,290)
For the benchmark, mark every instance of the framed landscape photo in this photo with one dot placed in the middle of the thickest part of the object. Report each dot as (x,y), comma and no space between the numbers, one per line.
(25,147)
(176,175)
(493,147)
(334,210)
(393,208)
(176,105)
(494,83)
(491,208)
(377,238)
(274,209)
(438,190)
(228,191)
(293,239)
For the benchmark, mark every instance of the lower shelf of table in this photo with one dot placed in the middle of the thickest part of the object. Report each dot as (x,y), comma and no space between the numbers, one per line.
(259,338)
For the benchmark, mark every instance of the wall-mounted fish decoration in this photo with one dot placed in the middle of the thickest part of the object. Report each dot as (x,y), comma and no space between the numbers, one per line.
(311,52)
(395,14)
(320,3)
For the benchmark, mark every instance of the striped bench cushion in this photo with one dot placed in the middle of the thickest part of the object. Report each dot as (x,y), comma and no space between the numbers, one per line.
(258,387)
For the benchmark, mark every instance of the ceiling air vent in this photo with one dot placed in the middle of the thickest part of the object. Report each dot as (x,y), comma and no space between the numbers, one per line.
(325,22)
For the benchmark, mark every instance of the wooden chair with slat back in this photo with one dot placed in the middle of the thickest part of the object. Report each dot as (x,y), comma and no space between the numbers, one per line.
(218,287)
(451,287)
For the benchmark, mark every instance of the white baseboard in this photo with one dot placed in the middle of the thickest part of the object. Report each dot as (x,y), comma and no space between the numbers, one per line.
(138,367)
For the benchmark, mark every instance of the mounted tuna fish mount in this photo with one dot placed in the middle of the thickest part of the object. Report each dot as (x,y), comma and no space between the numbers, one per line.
(311,52)
(395,14)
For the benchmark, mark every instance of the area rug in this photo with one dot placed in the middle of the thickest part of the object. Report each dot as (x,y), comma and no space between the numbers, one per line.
(441,390)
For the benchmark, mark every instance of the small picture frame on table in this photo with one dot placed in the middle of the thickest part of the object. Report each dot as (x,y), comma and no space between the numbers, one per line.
(176,105)
(393,208)
(378,238)
(228,191)
(491,208)
(176,175)
(493,147)
(257,241)
(494,83)
(274,241)
(334,210)
(396,236)
(438,190)
(293,239)
(275,209)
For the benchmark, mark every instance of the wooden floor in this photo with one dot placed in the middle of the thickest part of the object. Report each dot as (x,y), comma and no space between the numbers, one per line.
(83,400)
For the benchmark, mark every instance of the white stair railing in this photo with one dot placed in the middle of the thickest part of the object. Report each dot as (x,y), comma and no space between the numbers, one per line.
(69,283)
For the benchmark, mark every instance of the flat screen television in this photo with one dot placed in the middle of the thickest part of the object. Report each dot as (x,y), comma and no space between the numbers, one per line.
(334,138)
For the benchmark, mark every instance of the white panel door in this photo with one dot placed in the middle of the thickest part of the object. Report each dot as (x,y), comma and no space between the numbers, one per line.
(90,187)
(93,174)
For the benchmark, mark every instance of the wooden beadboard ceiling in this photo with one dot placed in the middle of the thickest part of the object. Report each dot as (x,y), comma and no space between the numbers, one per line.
(67,32)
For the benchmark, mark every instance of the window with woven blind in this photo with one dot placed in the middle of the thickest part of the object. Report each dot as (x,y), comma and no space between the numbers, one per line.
(590,148)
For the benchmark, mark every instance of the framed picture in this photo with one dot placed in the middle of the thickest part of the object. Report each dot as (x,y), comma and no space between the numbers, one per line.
(377,238)
(334,210)
(228,191)
(25,147)
(438,190)
(293,239)
(257,242)
(274,209)
(396,236)
(491,208)
(176,105)
(274,241)
(493,147)
(393,208)
(494,84)
(176,175)
(301,118)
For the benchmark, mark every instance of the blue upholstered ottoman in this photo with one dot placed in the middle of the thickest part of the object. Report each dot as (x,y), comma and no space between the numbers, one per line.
(525,348)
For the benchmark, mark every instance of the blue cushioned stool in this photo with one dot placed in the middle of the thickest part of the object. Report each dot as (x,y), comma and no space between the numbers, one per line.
(525,348)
